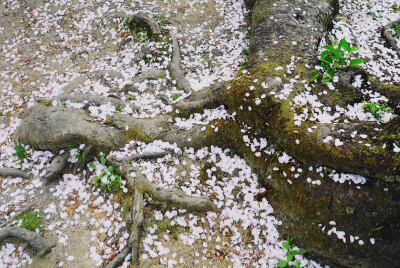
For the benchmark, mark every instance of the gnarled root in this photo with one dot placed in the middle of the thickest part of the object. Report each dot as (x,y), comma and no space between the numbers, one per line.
(41,245)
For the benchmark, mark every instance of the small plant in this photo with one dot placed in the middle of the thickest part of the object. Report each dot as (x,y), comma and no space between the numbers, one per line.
(141,37)
(230,153)
(127,26)
(119,108)
(162,19)
(376,109)
(131,97)
(76,153)
(397,29)
(109,179)
(176,96)
(333,57)
(395,7)
(291,254)
(30,220)
(21,152)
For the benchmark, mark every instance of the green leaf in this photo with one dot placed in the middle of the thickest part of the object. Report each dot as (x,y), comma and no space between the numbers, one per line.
(355,62)
(298,264)
(354,49)
(289,257)
(340,54)
(345,45)
(331,72)
(111,169)
(324,53)
(103,160)
(326,80)
(286,245)
(327,60)
(312,79)
(302,251)
(342,62)
(282,263)
(329,48)
(92,165)
(294,253)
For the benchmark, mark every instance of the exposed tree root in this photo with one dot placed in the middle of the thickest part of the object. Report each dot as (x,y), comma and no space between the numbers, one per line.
(171,197)
(148,74)
(175,67)
(389,36)
(119,258)
(137,226)
(68,89)
(56,168)
(142,19)
(41,245)
(146,156)
(93,99)
(13,172)
(174,197)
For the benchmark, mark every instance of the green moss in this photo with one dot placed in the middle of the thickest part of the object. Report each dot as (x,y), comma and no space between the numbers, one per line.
(30,220)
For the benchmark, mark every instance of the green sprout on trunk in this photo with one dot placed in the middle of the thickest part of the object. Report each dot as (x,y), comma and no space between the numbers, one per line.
(335,57)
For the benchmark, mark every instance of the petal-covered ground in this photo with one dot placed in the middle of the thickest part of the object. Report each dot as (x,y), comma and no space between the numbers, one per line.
(49,48)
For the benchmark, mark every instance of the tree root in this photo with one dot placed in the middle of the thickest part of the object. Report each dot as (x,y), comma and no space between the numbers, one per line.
(57,166)
(119,258)
(388,36)
(41,245)
(148,74)
(13,172)
(142,19)
(173,197)
(93,99)
(146,156)
(137,225)
(68,89)
(175,66)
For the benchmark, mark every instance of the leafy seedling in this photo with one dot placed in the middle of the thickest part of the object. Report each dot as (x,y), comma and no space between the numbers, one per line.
(376,109)
(21,152)
(119,108)
(291,254)
(176,96)
(162,20)
(395,7)
(397,29)
(334,57)
(109,179)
